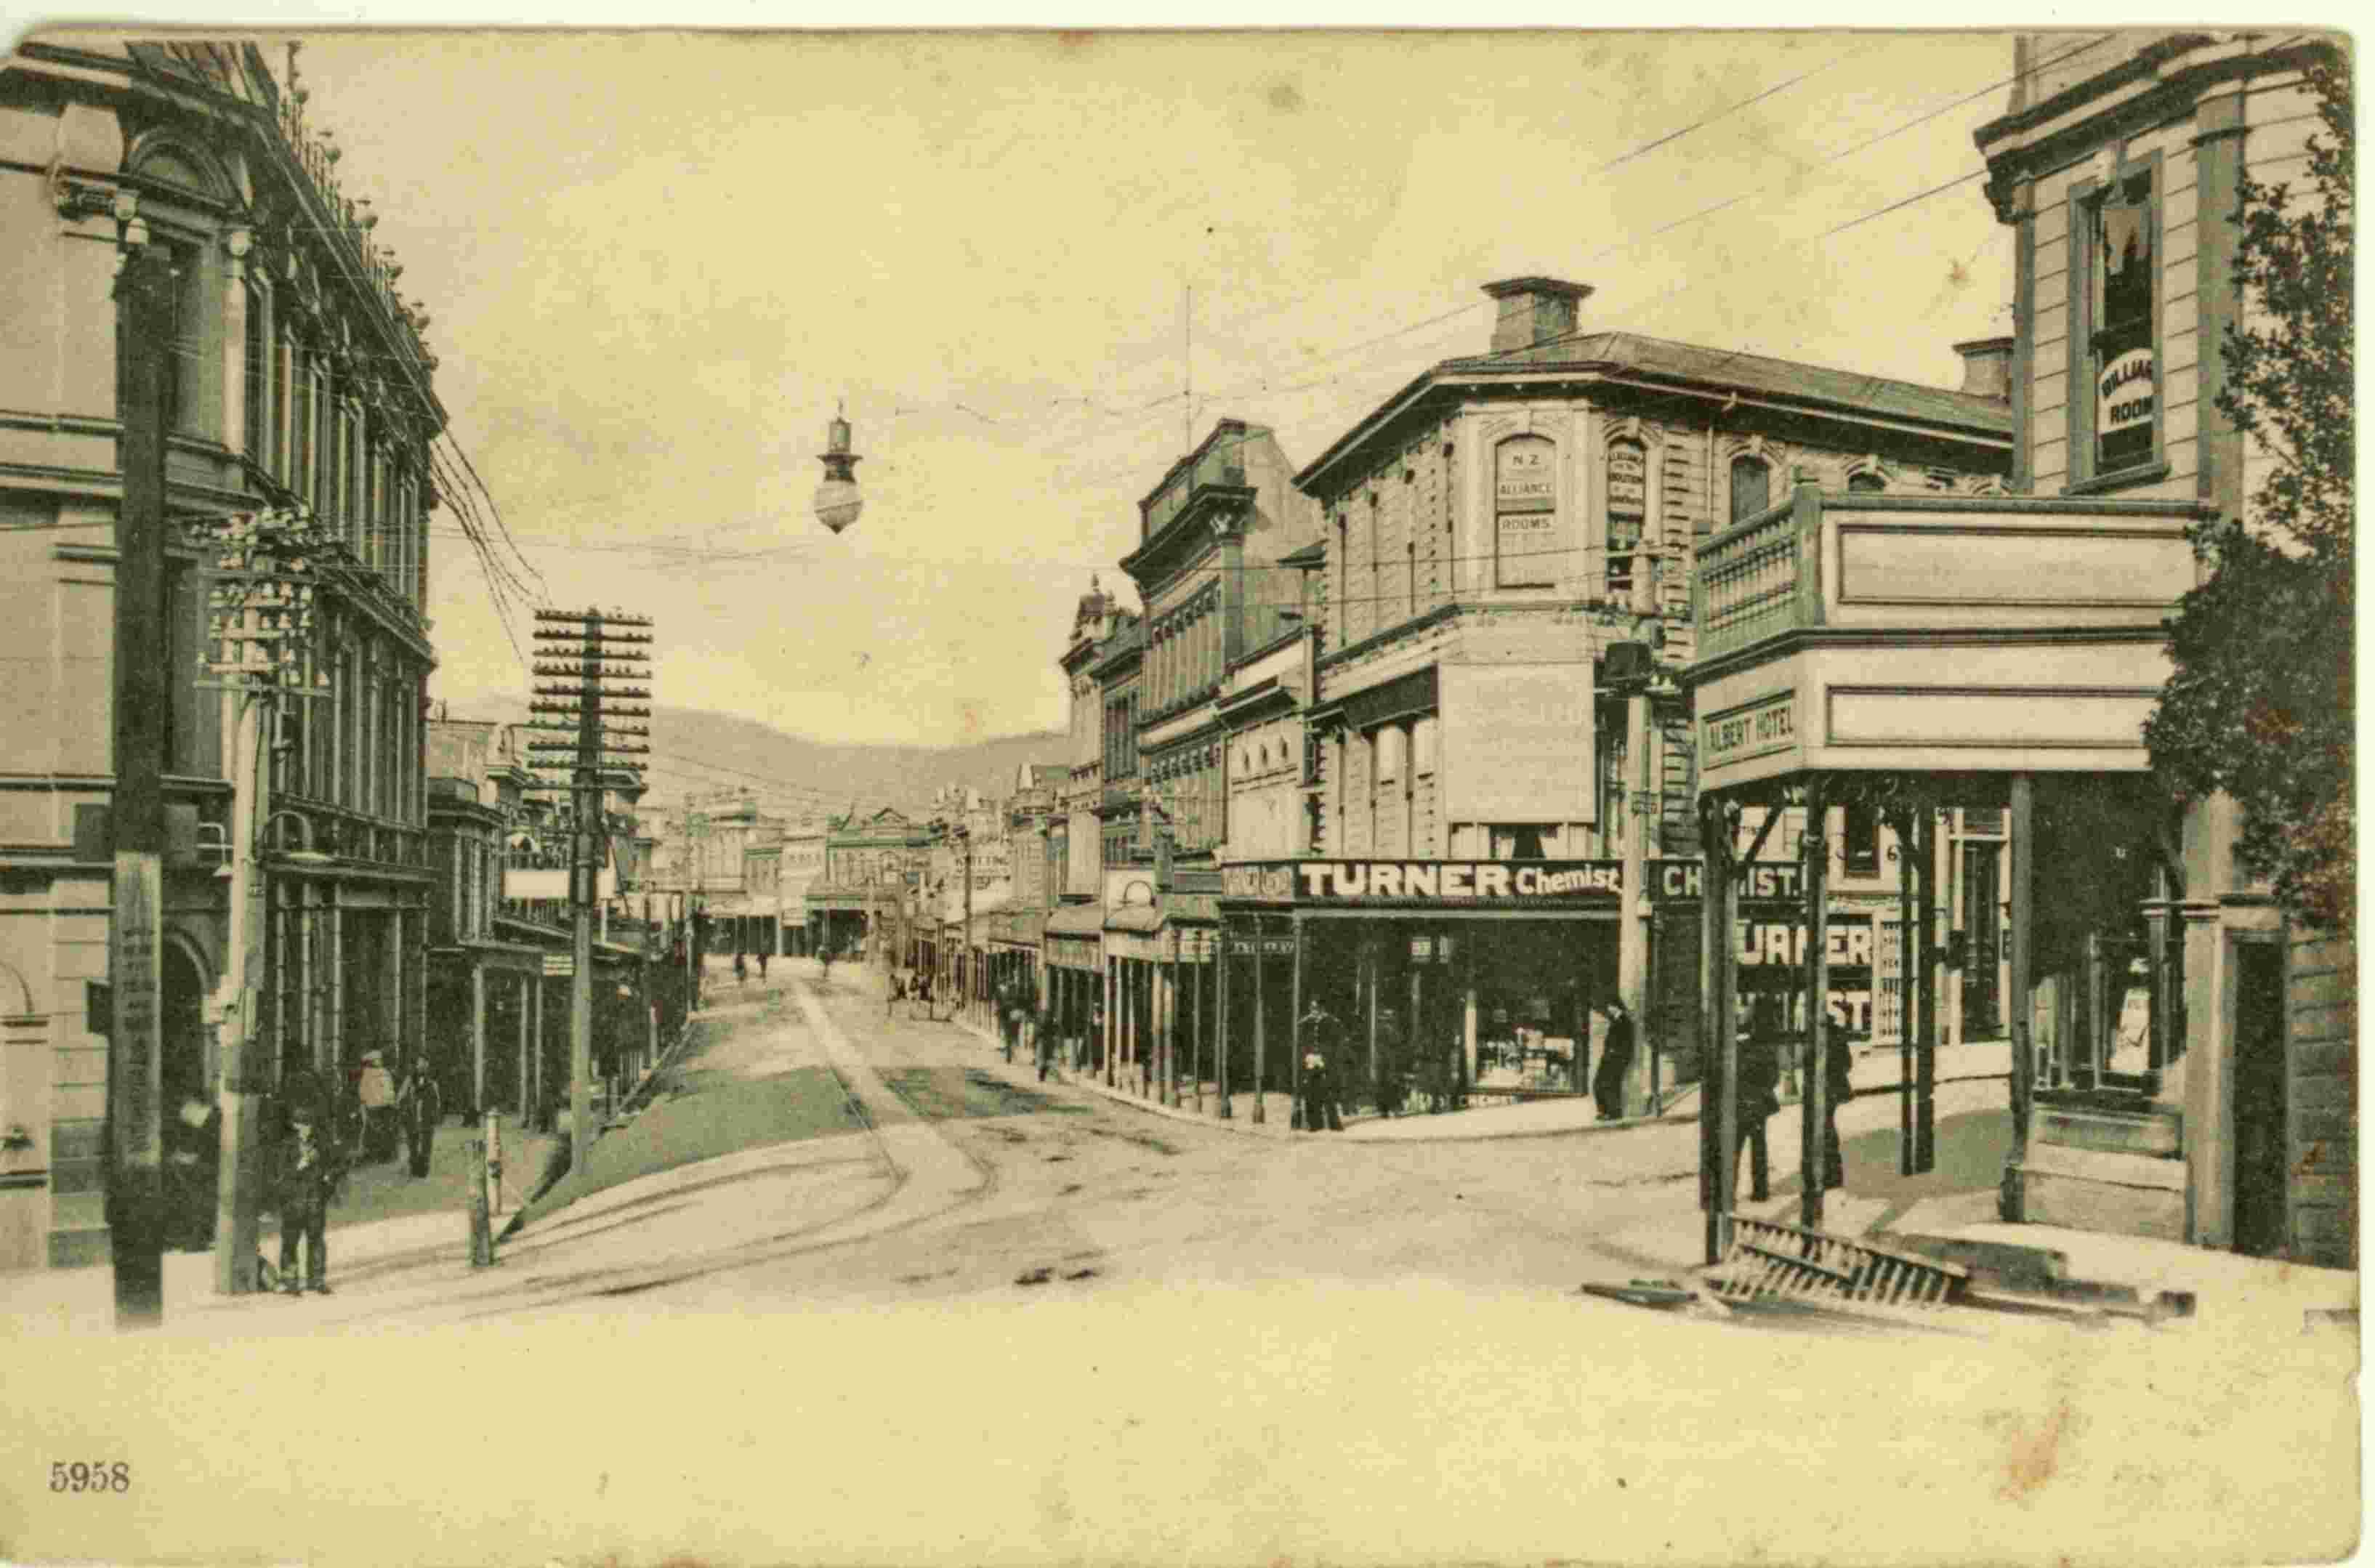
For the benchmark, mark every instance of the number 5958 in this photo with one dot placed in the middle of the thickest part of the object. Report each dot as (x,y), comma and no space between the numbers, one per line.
(99,1477)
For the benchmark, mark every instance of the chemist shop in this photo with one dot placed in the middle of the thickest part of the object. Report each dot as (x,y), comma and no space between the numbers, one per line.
(1442,979)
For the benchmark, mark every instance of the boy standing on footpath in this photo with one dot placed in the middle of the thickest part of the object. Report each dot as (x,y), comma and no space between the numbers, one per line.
(306,1174)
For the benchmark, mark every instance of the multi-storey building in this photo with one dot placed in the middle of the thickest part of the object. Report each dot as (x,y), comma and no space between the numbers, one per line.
(301,380)
(874,862)
(1073,947)
(2192,1048)
(1503,600)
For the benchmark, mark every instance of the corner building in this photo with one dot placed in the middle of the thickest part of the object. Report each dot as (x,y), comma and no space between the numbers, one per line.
(301,380)
(1494,723)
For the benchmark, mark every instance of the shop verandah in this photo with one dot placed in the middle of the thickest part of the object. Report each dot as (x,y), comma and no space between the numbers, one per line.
(1905,655)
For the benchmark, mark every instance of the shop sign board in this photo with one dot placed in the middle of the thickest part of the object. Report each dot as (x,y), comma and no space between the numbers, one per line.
(1268,946)
(1075,952)
(1486,881)
(1772,958)
(1769,724)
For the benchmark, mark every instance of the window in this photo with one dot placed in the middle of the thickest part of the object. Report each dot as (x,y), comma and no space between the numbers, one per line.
(1517,841)
(2119,410)
(1860,838)
(1525,507)
(1865,482)
(1751,488)
(188,337)
(1627,489)
(255,369)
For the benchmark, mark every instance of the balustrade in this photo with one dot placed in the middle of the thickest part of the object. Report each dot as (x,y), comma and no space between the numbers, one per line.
(1747,584)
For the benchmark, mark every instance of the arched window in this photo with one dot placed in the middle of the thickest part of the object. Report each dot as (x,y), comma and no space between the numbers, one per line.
(1627,492)
(1751,488)
(1866,481)
(1525,509)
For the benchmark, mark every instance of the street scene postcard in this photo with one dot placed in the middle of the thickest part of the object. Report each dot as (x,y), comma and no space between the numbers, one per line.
(1299,797)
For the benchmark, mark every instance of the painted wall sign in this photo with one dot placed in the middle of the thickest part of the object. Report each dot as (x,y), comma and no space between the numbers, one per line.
(1768,726)
(2123,392)
(1628,478)
(1513,743)
(1525,475)
(1684,880)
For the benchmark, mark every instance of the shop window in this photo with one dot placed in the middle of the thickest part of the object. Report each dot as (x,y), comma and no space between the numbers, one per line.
(1751,488)
(1627,489)
(2117,228)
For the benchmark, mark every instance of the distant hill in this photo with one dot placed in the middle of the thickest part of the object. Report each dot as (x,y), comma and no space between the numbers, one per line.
(705,753)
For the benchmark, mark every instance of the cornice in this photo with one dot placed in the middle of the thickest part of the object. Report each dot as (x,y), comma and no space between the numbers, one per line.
(2036,150)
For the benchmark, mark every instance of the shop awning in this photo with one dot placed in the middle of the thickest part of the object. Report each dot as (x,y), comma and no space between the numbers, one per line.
(1175,909)
(1076,920)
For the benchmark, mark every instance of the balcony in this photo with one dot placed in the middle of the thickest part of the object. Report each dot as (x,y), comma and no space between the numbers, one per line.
(1934,633)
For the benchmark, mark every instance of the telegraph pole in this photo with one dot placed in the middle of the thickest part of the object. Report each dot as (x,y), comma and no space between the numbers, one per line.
(143,293)
(591,649)
(260,621)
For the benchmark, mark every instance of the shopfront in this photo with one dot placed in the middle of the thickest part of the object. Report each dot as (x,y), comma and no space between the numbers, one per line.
(1074,946)
(1442,982)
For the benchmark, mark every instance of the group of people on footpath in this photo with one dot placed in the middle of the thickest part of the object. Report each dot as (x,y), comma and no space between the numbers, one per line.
(312,1140)
(742,966)
(1756,1095)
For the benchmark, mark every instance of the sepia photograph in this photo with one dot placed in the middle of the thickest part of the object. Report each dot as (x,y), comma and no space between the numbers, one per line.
(878,794)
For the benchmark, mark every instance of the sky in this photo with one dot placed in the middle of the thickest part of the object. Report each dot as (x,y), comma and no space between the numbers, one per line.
(657,263)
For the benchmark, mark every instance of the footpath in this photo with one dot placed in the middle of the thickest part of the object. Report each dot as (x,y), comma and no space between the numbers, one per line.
(1958,1198)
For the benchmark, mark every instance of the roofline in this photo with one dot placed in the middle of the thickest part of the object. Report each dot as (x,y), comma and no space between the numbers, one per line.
(1439,377)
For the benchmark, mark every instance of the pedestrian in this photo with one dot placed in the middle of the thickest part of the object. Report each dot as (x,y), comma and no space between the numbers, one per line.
(375,1092)
(193,1169)
(1757,1098)
(762,966)
(421,1108)
(1615,1061)
(1009,1018)
(1042,1037)
(741,971)
(1319,1051)
(306,1173)
(896,994)
(1839,1087)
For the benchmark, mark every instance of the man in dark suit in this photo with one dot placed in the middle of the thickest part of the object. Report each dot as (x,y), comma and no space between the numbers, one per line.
(1615,1061)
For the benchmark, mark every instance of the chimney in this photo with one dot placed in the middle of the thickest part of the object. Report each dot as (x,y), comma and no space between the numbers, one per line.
(1534,310)
(1987,366)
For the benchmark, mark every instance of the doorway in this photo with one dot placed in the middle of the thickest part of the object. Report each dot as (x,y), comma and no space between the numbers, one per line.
(187,1067)
(1983,934)
(2260,1152)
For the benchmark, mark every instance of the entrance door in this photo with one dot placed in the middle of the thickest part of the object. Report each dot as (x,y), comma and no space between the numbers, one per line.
(1983,933)
(185,1070)
(2259,1099)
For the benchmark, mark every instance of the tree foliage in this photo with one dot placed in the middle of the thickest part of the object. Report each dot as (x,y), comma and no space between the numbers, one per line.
(2260,705)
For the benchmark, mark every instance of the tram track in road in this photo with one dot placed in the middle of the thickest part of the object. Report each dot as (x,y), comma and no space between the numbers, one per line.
(922,1142)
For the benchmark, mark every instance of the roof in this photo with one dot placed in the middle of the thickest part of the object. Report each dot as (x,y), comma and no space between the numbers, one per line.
(1751,372)
(1851,392)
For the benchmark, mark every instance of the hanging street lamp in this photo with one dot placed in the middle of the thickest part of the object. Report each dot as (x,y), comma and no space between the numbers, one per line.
(837,501)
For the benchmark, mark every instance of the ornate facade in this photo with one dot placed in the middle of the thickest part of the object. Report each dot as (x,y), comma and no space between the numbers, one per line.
(301,381)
